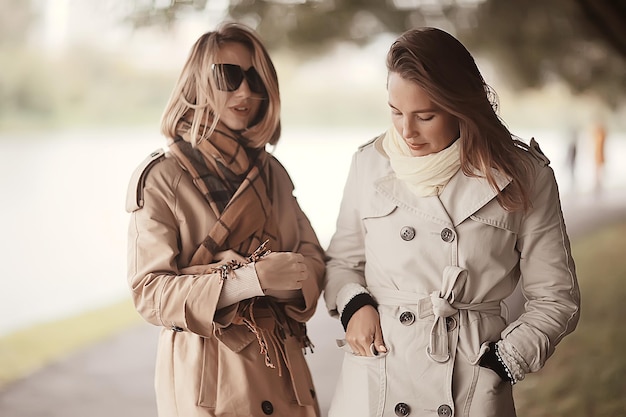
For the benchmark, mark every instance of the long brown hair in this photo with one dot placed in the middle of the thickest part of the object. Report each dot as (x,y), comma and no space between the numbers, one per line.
(194,95)
(445,69)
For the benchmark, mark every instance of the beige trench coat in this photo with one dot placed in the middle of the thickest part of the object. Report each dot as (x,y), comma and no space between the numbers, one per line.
(197,373)
(462,248)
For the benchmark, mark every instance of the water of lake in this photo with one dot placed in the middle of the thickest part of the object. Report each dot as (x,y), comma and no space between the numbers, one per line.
(63,242)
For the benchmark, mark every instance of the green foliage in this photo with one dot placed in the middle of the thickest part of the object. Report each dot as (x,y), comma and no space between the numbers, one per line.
(24,85)
(533,43)
(82,87)
(548,40)
(25,351)
(16,19)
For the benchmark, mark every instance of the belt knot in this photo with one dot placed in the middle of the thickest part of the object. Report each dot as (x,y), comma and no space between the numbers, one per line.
(441,306)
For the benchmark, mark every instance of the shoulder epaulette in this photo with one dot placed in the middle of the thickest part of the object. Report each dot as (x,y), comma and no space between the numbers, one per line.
(369,142)
(536,151)
(134,195)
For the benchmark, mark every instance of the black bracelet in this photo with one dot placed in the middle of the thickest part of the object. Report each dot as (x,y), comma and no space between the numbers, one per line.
(353,305)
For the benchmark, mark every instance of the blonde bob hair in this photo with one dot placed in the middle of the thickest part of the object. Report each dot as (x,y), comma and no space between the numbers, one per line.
(195,97)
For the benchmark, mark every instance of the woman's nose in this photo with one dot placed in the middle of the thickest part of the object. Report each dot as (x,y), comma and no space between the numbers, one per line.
(408,129)
(244,89)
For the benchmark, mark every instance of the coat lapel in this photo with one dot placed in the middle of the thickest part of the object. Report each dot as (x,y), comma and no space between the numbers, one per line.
(390,187)
(464,196)
(429,208)
(461,197)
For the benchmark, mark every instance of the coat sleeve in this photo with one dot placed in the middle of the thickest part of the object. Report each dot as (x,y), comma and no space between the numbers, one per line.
(548,276)
(306,243)
(345,267)
(162,293)
(313,254)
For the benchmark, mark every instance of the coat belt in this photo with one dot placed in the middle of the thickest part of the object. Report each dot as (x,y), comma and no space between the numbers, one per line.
(437,306)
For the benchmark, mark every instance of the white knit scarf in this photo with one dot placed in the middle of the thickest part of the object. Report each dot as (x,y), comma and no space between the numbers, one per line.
(425,175)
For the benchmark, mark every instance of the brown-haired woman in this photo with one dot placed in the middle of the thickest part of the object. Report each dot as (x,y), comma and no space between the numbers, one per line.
(442,216)
(220,253)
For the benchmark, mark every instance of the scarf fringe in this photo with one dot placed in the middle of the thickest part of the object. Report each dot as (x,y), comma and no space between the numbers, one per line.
(273,340)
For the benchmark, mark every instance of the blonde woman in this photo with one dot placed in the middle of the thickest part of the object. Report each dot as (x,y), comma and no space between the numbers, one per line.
(442,216)
(220,254)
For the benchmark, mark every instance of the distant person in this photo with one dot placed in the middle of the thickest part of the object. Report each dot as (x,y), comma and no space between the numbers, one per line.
(572,153)
(442,215)
(599,140)
(220,254)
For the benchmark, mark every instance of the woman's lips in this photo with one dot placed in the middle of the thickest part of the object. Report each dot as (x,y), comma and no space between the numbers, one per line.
(416,146)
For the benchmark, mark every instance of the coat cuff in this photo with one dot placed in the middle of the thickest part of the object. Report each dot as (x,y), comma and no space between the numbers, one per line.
(347,293)
(241,284)
(512,360)
(355,304)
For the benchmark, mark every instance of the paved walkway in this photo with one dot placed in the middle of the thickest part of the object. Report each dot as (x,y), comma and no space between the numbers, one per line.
(115,377)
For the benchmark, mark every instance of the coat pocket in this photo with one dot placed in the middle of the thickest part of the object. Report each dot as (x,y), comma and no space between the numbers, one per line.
(361,387)
(377,208)
(492,396)
(377,217)
(235,338)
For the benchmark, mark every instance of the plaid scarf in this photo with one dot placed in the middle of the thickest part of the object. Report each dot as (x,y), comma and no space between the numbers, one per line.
(235,182)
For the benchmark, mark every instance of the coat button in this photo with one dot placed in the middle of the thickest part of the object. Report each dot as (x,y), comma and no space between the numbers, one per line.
(450,323)
(444,411)
(177,329)
(407,318)
(407,233)
(402,410)
(447,235)
(267,408)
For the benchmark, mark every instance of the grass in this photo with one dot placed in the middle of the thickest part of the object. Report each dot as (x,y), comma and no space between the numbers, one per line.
(586,377)
(26,351)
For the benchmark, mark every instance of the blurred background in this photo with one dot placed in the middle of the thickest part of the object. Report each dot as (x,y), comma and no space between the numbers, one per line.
(83,84)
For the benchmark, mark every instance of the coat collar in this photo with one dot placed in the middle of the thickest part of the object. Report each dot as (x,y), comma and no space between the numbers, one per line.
(464,196)
(461,197)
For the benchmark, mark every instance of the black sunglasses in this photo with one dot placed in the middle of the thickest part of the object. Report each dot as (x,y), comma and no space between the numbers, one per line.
(228,77)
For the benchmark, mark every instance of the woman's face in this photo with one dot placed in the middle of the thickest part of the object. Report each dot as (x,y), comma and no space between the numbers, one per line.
(242,104)
(424,127)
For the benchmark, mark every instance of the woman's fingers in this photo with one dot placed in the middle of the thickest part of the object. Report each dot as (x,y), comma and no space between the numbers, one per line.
(363,330)
(282,271)
(379,344)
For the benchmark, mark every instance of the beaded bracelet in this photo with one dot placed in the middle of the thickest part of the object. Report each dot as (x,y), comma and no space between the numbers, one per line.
(512,379)
(231,265)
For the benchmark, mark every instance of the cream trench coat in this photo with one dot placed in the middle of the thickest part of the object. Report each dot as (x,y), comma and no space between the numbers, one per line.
(440,268)
(198,374)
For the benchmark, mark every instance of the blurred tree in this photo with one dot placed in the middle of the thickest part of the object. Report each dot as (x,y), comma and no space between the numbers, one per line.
(16,19)
(18,88)
(581,42)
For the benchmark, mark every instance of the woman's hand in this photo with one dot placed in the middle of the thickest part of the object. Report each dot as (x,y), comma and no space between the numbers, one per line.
(281,271)
(364,330)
